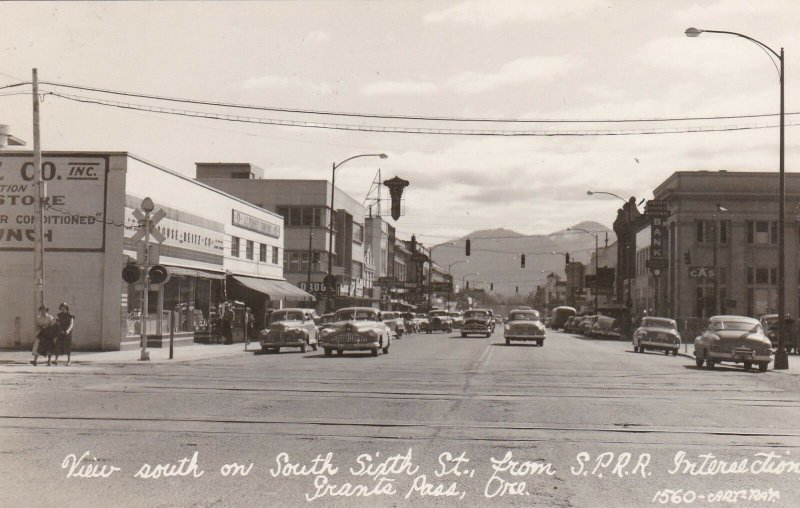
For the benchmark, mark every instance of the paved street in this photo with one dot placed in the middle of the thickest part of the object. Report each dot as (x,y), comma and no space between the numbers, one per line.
(564,405)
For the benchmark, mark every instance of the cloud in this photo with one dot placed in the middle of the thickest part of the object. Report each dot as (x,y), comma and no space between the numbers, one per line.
(271,81)
(318,36)
(521,70)
(496,13)
(722,9)
(400,88)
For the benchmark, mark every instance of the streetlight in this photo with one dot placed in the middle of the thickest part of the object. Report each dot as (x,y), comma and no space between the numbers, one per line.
(329,278)
(781,356)
(454,263)
(595,262)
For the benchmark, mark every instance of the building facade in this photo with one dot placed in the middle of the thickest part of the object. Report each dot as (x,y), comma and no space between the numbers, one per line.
(216,247)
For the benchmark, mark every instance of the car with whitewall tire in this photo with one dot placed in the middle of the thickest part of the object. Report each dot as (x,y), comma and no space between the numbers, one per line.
(733,339)
(524,325)
(356,329)
(289,328)
(657,334)
(477,321)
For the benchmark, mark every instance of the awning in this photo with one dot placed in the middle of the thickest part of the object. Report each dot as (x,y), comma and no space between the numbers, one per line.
(193,272)
(275,289)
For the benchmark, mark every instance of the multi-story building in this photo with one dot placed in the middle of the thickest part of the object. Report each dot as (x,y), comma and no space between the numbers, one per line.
(723,245)
(217,248)
(306,207)
(605,259)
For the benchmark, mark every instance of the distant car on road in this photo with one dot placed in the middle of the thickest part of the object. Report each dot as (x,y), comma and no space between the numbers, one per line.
(735,339)
(439,320)
(560,316)
(586,325)
(395,323)
(524,325)
(605,328)
(457,317)
(660,334)
(356,329)
(477,321)
(289,328)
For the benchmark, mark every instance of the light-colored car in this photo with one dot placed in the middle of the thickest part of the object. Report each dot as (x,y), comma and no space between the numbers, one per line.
(422,322)
(394,320)
(735,339)
(524,325)
(289,328)
(457,317)
(439,321)
(477,321)
(659,334)
(356,329)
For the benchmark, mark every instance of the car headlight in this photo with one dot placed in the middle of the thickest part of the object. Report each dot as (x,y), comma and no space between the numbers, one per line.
(508,327)
(326,332)
(372,334)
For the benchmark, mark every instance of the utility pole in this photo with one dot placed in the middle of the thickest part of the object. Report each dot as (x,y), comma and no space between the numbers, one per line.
(310,255)
(41,195)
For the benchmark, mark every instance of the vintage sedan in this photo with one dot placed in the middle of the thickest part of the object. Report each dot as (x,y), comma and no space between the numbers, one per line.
(735,339)
(395,322)
(439,320)
(457,317)
(289,328)
(356,329)
(422,322)
(524,325)
(477,321)
(657,333)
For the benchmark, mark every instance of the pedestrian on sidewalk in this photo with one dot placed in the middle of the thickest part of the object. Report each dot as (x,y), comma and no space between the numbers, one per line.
(66,322)
(227,322)
(46,331)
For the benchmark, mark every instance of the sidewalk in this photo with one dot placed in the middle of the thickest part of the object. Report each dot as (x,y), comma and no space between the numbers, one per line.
(157,355)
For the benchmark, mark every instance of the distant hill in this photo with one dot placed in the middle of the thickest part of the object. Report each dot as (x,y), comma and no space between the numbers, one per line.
(495,255)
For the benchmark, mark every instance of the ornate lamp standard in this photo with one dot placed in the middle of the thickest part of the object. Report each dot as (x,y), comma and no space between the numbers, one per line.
(781,356)
(329,280)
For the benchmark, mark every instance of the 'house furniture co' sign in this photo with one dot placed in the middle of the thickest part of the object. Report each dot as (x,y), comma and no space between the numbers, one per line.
(74,213)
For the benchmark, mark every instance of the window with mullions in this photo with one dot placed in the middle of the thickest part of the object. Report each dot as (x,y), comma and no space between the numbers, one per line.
(762,232)
(235,246)
(262,253)
(303,216)
(249,250)
(705,230)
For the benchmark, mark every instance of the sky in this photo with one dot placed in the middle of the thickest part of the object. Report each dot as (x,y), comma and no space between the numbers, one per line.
(510,60)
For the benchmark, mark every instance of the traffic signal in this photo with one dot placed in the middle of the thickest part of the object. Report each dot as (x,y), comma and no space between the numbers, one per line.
(467,245)
(522,261)
(566,256)
(131,273)
(158,274)
(467,284)
(517,288)
(687,257)
(316,258)
(491,286)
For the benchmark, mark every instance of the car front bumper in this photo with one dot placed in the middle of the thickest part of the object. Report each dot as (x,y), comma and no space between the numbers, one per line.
(349,346)
(738,357)
(650,344)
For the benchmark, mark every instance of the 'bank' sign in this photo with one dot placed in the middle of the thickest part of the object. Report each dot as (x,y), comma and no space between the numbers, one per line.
(74,213)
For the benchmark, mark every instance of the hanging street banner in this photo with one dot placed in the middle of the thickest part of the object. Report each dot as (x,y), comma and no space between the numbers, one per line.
(74,212)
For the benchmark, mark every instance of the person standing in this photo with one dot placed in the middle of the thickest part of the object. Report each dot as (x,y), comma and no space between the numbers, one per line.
(227,322)
(250,322)
(45,334)
(66,322)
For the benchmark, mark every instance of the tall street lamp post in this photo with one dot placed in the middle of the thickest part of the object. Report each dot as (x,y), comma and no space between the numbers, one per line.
(781,355)
(449,266)
(595,262)
(329,278)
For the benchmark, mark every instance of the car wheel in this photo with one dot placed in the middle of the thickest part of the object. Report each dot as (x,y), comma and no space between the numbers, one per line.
(386,349)
(666,352)
(698,360)
(709,364)
(328,351)
(303,348)
(674,352)
(508,342)
(264,349)
(748,365)
(762,367)
(540,343)
(375,352)
(463,335)
(314,346)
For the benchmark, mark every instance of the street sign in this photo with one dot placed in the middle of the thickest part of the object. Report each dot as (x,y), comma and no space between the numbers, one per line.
(656,209)
(657,263)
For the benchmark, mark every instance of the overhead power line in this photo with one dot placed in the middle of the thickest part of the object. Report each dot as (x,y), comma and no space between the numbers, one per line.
(405,130)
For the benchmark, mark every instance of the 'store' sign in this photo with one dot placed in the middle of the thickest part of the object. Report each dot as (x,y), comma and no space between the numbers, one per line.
(74,217)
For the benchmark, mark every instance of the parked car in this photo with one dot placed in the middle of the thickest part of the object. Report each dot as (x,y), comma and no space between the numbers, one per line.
(439,320)
(770,327)
(477,321)
(395,323)
(356,329)
(560,316)
(586,325)
(289,328)
(492,319)
(410,322)
(524,325)
(569,322)
(457,317)
(422,322)
(660,334)
(605,328)
(735,339)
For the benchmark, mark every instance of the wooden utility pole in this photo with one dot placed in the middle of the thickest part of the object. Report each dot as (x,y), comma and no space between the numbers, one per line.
(41,195)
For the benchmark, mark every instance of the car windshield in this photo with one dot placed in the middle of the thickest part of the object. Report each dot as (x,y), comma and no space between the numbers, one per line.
(739,326)
(523,316)
(287,316)
(328,318)
(355,315)
(438,313)
(421,316)
(455,314)
(658,323)
(476,314)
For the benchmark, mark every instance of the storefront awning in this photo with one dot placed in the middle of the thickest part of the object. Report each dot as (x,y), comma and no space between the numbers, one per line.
(193,272)
(275,289)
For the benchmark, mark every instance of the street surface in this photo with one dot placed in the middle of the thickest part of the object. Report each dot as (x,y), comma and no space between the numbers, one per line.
(554,410)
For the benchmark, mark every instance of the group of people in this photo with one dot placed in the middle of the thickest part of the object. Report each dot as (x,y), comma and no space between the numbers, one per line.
(53,334)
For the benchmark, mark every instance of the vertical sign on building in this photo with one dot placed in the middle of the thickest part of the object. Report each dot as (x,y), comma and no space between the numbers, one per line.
(657,211)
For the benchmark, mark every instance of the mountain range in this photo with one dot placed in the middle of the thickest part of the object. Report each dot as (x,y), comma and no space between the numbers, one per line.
(495,256)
